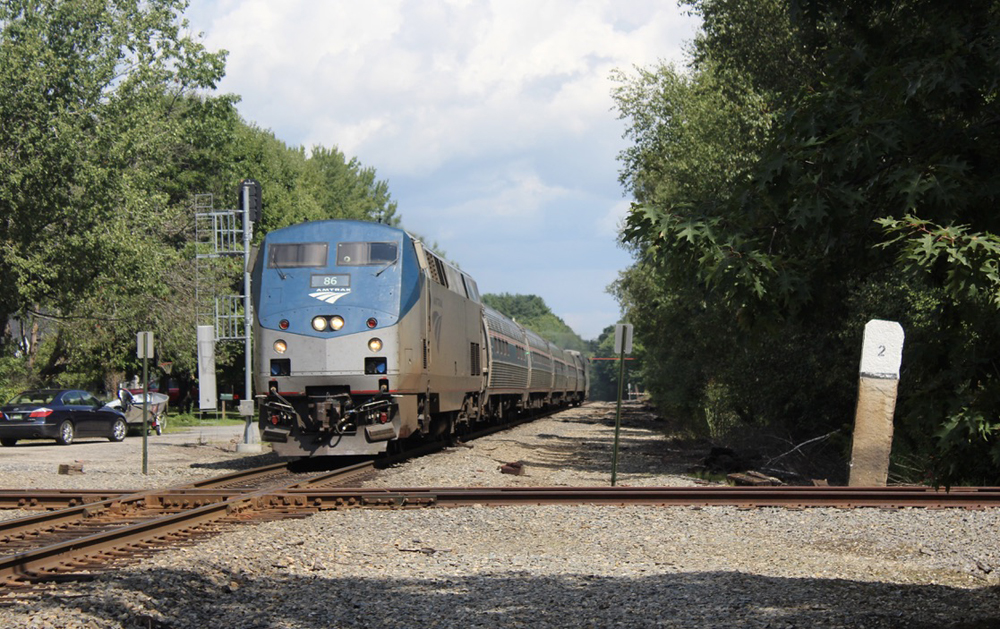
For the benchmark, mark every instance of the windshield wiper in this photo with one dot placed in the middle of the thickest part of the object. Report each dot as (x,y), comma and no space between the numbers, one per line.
(277,267)
(382,270)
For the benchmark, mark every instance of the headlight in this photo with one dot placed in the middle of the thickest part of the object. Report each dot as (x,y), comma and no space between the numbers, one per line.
(375,345)
(336,322)
(319,323)
(280,346)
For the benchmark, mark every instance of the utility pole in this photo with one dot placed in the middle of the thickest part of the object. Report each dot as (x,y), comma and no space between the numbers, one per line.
(144,342)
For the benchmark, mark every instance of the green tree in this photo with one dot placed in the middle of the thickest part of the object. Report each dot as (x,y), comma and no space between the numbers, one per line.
(346,189)
(604,368)
(295,188)
(87,101)
(532,312)
(107,129)
(847,173)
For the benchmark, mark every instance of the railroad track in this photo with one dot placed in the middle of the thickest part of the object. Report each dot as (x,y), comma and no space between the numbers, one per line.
(62,498)
(740,497)
(83,532)
(79,541)
(75,542)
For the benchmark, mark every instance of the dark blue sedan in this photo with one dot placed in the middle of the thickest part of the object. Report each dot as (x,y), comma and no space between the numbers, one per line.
(60,414)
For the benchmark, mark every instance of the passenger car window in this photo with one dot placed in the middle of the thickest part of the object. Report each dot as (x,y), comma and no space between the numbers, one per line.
(72,398)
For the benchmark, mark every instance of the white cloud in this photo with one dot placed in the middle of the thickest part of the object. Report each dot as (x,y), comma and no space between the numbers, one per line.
(491,119)
(411,85)
(510,202)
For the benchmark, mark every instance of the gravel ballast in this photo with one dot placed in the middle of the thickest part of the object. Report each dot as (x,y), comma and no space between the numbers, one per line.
(552,566)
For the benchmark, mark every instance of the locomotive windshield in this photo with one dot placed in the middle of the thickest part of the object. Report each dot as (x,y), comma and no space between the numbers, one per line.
(366,253)
(299,254)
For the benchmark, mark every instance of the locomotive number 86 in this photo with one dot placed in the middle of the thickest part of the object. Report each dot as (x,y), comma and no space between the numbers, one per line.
(364,339)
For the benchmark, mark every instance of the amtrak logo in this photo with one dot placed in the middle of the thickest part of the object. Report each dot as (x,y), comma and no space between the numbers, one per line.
(329,296)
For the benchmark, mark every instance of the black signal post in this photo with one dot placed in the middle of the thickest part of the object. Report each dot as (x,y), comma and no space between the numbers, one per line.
(249,199)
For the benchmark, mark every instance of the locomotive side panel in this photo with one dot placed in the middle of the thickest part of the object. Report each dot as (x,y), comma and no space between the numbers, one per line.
(454,338)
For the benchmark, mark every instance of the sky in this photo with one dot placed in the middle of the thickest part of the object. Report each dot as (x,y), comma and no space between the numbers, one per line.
(491,120)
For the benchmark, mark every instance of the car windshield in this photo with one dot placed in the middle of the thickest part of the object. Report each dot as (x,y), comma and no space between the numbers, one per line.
(34,397)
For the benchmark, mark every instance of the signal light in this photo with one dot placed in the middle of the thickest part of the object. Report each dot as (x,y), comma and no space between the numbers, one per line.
(375,345)
(40,412)
(256,207)
(283,324)
(372,322)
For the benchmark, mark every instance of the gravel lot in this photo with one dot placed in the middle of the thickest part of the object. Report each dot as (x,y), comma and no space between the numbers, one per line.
(530,566)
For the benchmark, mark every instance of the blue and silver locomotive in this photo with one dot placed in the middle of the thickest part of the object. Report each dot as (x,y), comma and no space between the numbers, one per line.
(364,338)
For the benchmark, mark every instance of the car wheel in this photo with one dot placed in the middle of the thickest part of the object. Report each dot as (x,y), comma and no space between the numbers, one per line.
(7,442)
(118,430)
(66,433)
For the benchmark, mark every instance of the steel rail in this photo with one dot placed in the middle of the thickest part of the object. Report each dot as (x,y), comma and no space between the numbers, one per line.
(744,497)
(303,497)
(38,563)
(238,476)
(52,520)
(56,498)
(188,496)
(62,498)
(44,562)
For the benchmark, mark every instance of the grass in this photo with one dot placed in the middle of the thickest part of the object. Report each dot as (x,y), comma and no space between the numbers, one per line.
(715,477)
(180,421)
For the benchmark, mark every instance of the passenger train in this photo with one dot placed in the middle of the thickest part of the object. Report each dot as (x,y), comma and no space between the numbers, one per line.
(366,340)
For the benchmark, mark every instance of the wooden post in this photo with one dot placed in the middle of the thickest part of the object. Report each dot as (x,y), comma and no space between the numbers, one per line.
(881,355)
(623,345)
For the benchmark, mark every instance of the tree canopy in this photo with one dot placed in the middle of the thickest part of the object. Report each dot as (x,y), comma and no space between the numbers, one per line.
(821,164)
(108,127)
(532,312)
